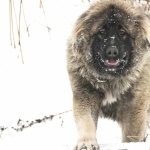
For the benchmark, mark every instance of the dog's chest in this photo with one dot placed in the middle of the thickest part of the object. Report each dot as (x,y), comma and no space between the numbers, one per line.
(108,99)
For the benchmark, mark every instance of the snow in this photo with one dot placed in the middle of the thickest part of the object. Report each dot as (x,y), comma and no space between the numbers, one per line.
(40,87)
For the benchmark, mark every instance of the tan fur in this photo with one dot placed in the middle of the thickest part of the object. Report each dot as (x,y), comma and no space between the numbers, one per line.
(125,98)
(109,99)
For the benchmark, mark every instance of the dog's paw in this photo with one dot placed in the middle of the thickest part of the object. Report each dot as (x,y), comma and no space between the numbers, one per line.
(88,145)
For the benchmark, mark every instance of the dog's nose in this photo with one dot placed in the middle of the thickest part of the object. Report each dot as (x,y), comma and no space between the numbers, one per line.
(112,52)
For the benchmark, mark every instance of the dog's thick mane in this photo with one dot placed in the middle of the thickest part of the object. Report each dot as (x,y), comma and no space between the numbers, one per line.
(81,40)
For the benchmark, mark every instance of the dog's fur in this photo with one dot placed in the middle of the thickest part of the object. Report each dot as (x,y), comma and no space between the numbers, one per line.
(124,96)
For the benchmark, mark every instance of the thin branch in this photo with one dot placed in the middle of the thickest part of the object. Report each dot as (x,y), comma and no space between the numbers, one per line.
(26,124)
(27,27)
(42,6)
(10,19)
(19,32)
(12,38)
(18,25)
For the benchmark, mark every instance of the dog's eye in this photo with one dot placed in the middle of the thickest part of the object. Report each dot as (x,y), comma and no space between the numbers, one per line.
(101,33)
(122,32)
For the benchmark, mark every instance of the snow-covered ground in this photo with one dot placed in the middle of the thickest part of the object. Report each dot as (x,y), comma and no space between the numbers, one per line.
(40,87)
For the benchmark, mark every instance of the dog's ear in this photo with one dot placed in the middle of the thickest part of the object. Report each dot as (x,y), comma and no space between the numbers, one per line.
(147,43)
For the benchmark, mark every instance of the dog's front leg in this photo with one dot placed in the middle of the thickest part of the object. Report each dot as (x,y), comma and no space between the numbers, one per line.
(86,110)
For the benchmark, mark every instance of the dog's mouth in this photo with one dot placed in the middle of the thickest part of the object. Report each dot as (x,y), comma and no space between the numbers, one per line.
(112,63)
(115,64)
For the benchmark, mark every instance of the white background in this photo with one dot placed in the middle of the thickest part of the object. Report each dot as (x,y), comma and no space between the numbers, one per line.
(40,86)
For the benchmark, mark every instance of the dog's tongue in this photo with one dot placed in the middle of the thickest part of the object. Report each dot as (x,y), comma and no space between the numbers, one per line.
(111,63)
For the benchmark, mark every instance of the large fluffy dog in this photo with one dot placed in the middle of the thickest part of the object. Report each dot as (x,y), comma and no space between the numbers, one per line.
(108,59)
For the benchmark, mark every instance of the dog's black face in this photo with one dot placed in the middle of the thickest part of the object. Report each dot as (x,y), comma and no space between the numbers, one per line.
(111,48)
